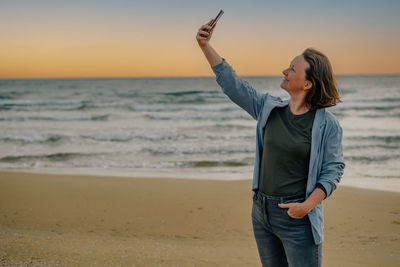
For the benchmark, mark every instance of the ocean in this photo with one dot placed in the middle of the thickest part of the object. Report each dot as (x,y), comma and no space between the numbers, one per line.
(180,127)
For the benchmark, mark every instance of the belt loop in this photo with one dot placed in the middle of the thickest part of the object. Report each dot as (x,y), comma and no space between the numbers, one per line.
(254,195)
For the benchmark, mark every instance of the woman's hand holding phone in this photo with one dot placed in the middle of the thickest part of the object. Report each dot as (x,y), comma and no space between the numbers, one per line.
(203,37)
(204,34)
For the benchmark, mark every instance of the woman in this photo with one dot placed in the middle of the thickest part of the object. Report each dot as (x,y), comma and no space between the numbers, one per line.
(299,158)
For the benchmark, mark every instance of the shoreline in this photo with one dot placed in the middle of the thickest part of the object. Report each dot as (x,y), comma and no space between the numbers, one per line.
(81,220)
(381,184)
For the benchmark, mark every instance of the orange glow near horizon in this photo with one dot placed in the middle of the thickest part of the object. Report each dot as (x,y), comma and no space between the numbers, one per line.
(111,59)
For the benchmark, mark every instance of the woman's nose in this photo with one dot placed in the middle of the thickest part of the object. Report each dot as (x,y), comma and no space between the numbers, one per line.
(284,72)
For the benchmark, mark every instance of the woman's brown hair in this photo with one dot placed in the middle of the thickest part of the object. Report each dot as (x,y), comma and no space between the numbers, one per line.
(323,92)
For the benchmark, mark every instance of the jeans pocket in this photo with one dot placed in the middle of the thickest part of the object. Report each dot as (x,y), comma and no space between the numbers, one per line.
(286,214)
(257,210)
(285,211)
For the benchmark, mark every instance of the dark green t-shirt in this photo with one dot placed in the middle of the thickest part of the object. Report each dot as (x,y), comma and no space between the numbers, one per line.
(286,153)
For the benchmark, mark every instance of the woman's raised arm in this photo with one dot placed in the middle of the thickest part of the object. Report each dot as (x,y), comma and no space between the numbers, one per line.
(238,90)
(203,37)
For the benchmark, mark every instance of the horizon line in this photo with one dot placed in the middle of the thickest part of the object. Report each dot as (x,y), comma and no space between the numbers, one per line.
(171,77)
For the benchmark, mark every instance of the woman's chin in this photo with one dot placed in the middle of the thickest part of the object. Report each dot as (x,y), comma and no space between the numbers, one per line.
(284,88)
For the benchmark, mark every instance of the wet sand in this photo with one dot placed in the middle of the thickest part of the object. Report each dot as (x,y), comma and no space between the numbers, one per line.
(76,220)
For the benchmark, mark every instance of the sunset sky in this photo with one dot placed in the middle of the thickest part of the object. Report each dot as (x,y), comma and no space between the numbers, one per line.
(50,39)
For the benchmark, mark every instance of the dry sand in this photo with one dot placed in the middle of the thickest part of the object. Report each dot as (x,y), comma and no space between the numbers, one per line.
(74,220)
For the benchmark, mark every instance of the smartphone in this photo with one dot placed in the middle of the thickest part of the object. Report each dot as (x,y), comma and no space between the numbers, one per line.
(214,21)
(217,18)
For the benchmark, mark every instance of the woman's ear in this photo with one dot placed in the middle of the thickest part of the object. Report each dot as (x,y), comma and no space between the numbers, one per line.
(307,85)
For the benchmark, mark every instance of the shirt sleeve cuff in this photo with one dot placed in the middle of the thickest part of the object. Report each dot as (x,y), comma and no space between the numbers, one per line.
(322,188)
(220,66)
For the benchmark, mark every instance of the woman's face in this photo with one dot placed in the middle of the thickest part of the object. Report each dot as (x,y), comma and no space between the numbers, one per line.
(294,79)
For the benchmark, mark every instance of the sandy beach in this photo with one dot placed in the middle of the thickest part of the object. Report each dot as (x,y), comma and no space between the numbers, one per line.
(75,220)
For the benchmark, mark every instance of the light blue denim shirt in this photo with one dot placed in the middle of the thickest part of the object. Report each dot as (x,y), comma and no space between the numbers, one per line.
(326,156)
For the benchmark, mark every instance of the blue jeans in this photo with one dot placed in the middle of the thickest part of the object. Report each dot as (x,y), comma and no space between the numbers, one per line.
(283,240)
